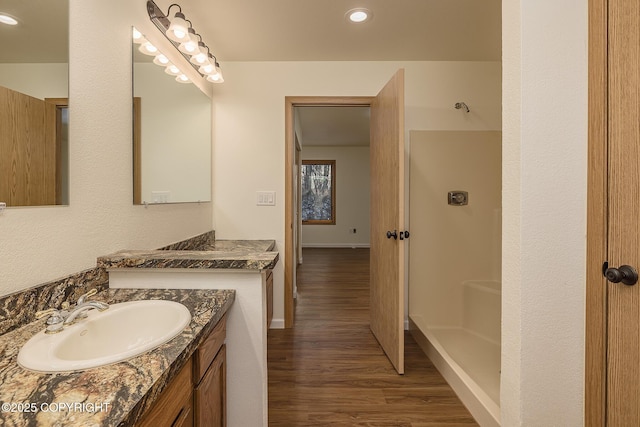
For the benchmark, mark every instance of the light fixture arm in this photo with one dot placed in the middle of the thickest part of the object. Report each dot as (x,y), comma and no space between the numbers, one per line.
(162,22)
(179,9)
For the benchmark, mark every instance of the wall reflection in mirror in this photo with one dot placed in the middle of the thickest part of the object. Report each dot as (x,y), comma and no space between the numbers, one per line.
(34,115)
(172,136)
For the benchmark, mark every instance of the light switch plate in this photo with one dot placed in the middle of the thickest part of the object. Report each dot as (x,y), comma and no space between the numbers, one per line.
(266,198)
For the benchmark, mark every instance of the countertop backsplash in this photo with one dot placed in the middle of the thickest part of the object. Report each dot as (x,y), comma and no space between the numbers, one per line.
(19,308)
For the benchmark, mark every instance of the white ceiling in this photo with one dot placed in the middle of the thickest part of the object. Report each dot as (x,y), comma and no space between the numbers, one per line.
(330,126)
(297,30)
(316,30)
(42,33)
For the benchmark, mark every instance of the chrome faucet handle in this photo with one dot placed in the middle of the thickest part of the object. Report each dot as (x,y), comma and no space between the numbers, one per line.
(80,311)
(82,300)
(41,314)
(55,322)
(84,297)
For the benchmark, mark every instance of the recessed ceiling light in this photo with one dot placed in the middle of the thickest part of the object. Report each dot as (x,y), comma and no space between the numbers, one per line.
(359,15)
(6,19)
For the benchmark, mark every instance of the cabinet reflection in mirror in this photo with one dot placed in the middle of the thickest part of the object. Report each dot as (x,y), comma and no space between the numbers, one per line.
(34,116)
(172,136)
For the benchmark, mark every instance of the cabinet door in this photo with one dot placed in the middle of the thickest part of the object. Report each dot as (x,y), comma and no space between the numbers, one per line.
(174,404)
(210,394)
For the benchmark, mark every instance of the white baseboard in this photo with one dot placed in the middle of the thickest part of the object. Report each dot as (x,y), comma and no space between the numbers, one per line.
(336,245)
(277,324)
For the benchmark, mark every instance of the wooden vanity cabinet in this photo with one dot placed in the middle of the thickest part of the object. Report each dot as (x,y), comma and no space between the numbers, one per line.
(269,290)
(197,395)
(209,379)
(174,407)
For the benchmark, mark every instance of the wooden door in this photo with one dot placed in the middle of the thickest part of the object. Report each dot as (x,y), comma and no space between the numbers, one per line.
(29,153)
(612,395)
(623,334)
(387,215)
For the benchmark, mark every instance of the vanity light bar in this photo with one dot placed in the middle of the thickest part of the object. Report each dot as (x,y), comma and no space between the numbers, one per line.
(159,58)
(184,38)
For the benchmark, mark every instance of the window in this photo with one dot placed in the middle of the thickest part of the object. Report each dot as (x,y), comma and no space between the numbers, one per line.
(318,191)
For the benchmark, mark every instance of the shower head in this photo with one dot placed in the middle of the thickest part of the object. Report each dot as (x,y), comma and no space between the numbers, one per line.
(460,105)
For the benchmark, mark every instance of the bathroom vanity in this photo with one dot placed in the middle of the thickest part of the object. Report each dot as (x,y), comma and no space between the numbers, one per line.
(177,376)
(244,266)
(197,394)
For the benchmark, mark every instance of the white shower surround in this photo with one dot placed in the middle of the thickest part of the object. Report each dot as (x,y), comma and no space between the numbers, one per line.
(455,255)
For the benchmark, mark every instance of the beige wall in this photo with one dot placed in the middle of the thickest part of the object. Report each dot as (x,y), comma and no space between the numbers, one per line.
(44,243)
(37,79)
(352,198)
(452,244)
(544,46)
(249,126)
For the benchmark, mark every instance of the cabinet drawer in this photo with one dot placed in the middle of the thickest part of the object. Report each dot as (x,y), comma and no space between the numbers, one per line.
(170,409)
(208,350)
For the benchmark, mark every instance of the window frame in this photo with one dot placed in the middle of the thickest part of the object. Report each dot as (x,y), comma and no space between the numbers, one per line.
(332,164)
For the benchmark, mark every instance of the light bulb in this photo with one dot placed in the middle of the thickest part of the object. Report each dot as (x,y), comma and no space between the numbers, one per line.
(359,15)
(178,29)
(6,19)
(148,49)
(216,77)
(161,60)
(181,78)
(138,38)
(172,70)
(207,69)
(190,45)
(199,59)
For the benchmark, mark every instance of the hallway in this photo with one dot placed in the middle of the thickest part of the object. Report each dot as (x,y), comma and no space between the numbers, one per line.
(330,370)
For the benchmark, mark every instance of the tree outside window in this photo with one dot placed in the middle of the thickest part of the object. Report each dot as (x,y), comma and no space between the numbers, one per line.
(318,191)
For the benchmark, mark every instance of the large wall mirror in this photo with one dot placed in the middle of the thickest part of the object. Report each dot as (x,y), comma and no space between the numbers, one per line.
(172,136)
(34,115)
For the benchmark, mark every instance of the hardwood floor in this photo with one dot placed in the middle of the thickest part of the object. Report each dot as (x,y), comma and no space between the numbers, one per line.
(330,370)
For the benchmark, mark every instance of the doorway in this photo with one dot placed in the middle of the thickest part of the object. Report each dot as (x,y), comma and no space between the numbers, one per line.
(292,201)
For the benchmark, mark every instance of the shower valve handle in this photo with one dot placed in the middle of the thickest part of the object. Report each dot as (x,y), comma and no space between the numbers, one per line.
(625,274)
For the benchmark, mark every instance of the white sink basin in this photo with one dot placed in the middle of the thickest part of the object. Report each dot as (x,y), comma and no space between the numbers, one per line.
(122,331)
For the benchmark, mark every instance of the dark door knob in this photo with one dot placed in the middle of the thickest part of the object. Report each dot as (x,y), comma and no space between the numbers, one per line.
(625,274)
(394,234)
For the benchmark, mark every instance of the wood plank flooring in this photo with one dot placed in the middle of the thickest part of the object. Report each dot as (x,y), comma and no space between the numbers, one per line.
(330,370)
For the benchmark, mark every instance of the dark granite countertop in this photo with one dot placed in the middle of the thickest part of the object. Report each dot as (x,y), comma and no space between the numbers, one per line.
(230,254)
(125,390)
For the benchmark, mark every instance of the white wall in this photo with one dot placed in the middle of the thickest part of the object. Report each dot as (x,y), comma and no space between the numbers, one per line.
(352,198)
(43,243)
(249,126)
(544,211)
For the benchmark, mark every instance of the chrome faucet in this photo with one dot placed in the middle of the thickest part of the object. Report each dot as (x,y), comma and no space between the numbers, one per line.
(58,319)
(82,308)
